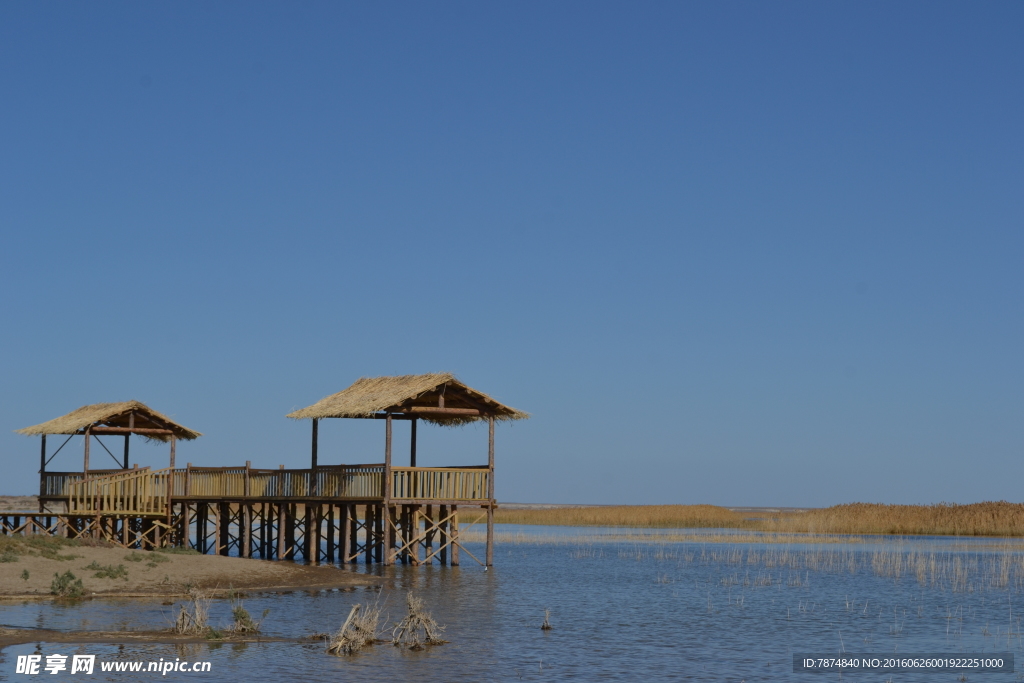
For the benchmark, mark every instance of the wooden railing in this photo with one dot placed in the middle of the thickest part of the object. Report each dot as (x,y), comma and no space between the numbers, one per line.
(439,483)
(146,491)
(339,481)
(57,483)
(131,492)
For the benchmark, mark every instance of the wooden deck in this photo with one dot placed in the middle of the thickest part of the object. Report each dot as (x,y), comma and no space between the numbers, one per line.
(340,513)
(147,491)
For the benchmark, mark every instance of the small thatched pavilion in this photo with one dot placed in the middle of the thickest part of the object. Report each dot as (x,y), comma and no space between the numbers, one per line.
(438,398)
(108,419)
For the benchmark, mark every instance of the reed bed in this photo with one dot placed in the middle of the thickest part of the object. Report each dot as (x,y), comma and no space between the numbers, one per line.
(942,519)
(647,516)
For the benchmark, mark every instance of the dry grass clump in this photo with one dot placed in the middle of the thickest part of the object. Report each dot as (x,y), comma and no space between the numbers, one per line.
(242,621)
(359,630)
(942,519)
(651,516)
(418,628)
(193,616)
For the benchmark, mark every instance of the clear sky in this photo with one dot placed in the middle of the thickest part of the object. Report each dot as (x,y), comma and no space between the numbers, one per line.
(731,253)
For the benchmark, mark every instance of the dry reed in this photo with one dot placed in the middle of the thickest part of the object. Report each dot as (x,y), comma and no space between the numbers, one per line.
(193,616)
(942,519)
(418,628)
(359,630)
(648,516)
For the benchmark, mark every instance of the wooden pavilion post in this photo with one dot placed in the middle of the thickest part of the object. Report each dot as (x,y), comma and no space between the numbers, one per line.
(412,443)
(312,460)
(42,472)
(387,516)
(85,463)
(316,429)
(490,491)
(131,426)
(174,440)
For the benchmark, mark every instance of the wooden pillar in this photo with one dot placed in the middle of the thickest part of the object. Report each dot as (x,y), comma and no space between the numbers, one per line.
(390,521)
(343,530)
(353,530)
(312,535)
(453,533)
(312,466)
(428,525)
(42,472)
(290,551)
(490,535)
(174,441)
(330,533)
(412,443)
(386,518)
(490,492)
(245,533)
(186,525)
(387,461)
(131,425)
(368,515)
(223,527)
(85,465)
(316,428)
(263,531)
(282,525)
(443,531)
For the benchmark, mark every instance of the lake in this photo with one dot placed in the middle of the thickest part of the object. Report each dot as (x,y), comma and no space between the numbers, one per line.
(625,605)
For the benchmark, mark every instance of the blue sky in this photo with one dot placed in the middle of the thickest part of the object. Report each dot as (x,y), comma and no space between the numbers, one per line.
(730,253)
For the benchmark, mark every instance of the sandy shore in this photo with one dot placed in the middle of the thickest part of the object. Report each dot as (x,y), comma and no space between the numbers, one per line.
(147,574)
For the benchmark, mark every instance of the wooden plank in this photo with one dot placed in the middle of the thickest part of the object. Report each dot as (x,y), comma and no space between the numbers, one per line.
(131,430)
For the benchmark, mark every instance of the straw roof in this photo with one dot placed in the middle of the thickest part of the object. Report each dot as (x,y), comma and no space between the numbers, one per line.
(113,415)
(369,396)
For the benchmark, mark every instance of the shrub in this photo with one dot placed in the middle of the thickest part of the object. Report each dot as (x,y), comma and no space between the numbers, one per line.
(66,585)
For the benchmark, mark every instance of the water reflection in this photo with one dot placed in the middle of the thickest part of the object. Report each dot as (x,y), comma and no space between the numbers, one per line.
(642,606)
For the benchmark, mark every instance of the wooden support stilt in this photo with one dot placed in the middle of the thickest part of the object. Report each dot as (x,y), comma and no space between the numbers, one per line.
(313,516)
(343,534)
(223,528)
(428,523)
(245,538)
(490,535)
(353,533)
(389,534)
(489,557)
(443,540)
(330,533)
(368,522)
(453,534)
(282,524)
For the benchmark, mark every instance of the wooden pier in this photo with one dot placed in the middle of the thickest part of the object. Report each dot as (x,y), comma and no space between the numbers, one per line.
(371,513)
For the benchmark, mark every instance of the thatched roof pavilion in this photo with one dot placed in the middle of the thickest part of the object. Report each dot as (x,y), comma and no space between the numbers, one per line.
(118,419)
(127,417)
(439,398)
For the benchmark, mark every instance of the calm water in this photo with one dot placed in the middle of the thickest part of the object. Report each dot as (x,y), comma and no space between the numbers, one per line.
(624,607)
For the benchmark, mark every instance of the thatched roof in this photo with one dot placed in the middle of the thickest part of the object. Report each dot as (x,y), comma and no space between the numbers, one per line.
(114,415)
(419,395)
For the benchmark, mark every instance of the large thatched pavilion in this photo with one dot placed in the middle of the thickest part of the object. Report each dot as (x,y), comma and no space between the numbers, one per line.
(440,399)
